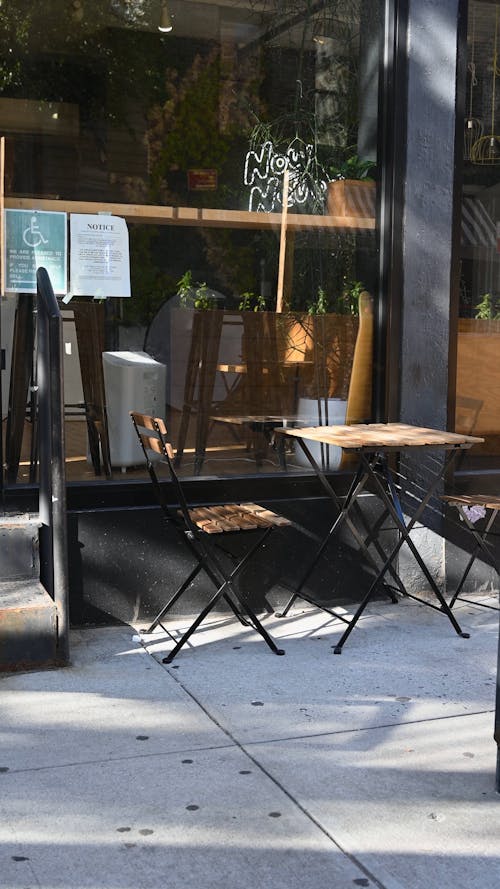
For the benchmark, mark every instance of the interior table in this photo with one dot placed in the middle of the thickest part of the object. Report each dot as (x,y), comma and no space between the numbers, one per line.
(376,447)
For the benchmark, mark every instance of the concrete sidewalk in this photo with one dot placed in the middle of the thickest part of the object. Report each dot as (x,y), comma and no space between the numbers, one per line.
(234,768)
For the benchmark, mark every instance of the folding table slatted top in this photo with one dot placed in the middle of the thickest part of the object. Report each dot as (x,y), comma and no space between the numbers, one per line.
(386,436)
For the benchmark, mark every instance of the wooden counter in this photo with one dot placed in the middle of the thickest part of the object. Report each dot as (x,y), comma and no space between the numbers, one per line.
(194,216)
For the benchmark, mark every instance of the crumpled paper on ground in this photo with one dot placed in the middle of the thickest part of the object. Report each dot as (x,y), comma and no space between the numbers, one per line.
(474,513)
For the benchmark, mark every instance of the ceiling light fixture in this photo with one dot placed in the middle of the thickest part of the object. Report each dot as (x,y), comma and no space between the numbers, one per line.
(165,25)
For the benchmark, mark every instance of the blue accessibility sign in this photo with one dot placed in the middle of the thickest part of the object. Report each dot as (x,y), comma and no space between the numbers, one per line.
(35,238)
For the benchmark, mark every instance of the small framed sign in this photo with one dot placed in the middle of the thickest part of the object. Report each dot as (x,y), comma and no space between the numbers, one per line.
(202,180)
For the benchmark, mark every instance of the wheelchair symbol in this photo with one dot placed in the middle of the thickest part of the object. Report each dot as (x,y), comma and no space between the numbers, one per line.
(32,235)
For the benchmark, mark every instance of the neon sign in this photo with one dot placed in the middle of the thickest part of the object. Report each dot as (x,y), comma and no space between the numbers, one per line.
(264,171)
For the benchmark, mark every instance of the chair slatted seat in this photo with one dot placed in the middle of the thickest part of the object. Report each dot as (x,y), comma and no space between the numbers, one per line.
(489,501)
(235,517)
(200,528)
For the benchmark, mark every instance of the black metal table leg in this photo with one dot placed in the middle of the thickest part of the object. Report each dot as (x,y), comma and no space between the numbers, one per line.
(376,465)
(356,487)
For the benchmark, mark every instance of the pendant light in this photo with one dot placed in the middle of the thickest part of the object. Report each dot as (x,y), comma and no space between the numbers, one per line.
(165,25)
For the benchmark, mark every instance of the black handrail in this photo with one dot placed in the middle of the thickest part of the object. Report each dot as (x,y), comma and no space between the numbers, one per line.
(52,495)
(497,720)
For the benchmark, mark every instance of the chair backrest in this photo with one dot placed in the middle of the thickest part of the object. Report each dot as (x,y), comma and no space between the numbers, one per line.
(153,437)
(467,411)
(89,326)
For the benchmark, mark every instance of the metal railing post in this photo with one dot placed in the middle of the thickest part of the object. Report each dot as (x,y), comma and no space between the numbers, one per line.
(54,536)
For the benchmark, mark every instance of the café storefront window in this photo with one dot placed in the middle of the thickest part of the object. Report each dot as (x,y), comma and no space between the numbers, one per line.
(239,143)
(478,382)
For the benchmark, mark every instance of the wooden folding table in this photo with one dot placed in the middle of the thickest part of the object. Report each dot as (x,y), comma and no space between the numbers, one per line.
(375,445)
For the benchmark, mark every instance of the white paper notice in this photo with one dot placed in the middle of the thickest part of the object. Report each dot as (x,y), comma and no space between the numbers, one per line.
(99,256)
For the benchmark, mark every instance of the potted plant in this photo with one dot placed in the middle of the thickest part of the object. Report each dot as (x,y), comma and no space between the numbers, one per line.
(350,191)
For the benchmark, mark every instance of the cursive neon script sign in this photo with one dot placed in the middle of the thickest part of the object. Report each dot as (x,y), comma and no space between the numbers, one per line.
(264,171)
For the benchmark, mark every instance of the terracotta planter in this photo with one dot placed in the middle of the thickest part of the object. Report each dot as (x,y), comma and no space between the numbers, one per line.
(324,345)
(299,340)
(351,197)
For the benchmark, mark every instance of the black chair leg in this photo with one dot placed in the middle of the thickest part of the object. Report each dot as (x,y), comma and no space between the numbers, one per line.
(173,599)
(206,610)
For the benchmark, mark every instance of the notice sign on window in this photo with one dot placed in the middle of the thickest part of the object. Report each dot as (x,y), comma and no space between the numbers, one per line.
(34,238)
(99,256)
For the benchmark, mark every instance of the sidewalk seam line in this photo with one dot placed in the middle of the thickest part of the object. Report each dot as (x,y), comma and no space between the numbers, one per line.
(112,759)
(352,858)
(368,728)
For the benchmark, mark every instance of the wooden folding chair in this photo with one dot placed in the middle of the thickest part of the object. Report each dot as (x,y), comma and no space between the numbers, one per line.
(487,507)
(201,529)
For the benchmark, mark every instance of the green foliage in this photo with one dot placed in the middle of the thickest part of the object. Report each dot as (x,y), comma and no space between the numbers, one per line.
(184,131)
(320,306)
(194,295)
(193,138)
(252,302)
(489,308)
(15,28)
(351,168)
(78,58)
(185,288)
(349,300)
(344,303)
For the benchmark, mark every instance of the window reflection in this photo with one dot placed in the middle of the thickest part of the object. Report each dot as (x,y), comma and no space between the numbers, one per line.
(241,149)
(478,392)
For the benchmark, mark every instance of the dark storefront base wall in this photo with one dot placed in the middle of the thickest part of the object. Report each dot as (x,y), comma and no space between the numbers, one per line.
(127,562)
(124,562)
(459,544)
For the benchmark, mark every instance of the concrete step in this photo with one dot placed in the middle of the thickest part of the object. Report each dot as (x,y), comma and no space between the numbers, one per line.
(28,626)
(19,546)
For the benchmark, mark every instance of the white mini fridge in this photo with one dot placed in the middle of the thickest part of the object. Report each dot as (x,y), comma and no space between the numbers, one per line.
(133,381)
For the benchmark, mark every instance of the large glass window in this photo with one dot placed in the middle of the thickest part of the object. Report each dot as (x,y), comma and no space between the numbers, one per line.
(240,145)
(478,383)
